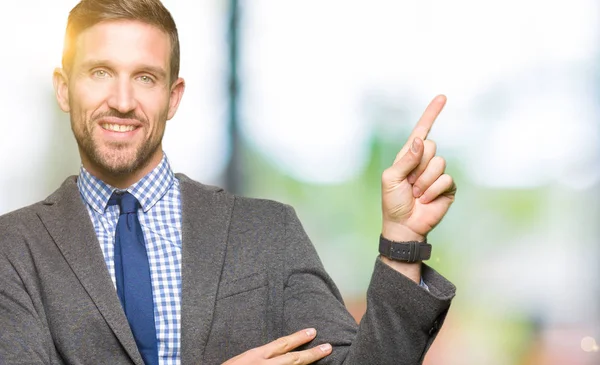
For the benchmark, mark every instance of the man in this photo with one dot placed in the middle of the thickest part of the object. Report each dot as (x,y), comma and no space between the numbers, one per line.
(130,263)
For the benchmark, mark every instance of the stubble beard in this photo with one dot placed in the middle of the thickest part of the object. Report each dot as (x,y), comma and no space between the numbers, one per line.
(114,159)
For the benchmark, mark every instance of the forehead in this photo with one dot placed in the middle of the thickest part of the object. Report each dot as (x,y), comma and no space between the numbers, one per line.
(124,42)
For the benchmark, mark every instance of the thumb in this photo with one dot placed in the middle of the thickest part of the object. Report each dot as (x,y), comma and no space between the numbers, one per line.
(410,160)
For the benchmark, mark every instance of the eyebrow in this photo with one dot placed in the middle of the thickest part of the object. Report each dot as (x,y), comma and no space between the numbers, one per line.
(158,71)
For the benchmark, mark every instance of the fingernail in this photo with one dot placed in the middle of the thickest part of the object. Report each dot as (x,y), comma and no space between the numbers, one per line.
(416,192)
(325,347)
(413,147)
(311,332)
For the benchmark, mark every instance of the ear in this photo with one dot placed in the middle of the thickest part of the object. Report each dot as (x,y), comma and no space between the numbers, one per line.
(60,80)
(176,94)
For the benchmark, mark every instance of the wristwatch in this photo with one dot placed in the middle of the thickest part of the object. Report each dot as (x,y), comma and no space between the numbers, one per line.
(409,251)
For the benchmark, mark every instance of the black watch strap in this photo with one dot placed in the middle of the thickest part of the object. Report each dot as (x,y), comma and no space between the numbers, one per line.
(410,251)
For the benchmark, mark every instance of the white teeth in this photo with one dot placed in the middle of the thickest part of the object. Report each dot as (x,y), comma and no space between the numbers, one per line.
(117,127)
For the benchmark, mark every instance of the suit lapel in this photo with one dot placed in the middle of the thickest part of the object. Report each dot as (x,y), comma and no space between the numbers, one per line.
(67,220)
(206,216)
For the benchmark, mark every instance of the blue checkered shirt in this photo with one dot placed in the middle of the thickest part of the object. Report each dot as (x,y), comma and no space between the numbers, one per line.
(160,218)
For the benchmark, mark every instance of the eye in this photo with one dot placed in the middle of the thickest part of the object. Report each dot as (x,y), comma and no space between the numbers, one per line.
(146,79)
(100,74)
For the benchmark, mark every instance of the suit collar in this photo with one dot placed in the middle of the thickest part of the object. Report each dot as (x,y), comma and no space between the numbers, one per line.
(65,217)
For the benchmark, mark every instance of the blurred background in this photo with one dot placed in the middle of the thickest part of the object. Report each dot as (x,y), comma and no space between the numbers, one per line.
(306,102)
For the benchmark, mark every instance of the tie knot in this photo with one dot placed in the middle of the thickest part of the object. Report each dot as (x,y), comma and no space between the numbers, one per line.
(127,202)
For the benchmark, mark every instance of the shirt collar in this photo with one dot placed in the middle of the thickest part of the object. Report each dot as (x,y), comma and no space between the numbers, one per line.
(148,191)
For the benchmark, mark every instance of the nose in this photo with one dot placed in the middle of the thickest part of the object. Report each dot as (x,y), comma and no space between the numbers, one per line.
(122,97)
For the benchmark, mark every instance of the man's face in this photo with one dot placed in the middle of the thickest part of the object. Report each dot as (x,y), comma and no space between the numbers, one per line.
(119,96)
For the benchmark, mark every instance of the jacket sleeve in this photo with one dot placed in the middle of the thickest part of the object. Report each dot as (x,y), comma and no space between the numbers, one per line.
(23,337)
(401,321)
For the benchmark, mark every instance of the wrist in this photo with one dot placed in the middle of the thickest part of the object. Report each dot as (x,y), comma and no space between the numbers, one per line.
(400,233)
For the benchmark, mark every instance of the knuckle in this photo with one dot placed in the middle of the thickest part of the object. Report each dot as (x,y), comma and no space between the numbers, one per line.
(421,130)
(283,343)
(295,357)
(387,174)
(431,146)
(448,181)
(440,161)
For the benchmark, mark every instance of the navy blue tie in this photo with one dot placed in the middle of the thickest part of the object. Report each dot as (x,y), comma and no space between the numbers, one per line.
(132,273)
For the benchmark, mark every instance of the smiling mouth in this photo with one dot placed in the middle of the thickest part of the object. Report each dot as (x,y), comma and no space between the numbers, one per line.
(117,127)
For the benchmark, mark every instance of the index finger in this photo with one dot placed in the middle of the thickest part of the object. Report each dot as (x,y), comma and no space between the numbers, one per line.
(425,123)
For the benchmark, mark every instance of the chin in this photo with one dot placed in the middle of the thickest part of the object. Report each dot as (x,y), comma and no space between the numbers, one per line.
(119,168)
(118,162)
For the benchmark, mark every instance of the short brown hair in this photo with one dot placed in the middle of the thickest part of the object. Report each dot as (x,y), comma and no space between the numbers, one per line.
(91,12)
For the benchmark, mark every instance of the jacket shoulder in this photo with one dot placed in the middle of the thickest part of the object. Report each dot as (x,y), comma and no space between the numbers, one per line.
(11,221)
(240,202)
(20,218)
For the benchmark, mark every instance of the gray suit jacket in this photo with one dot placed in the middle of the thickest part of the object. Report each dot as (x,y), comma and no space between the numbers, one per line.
(249,276)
